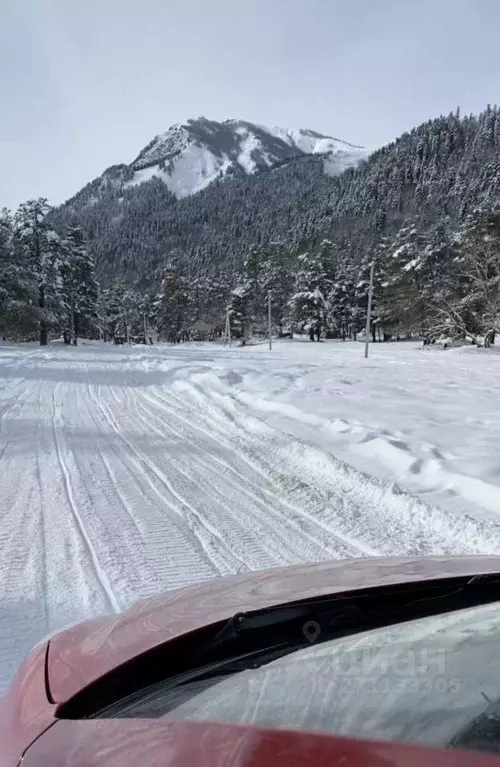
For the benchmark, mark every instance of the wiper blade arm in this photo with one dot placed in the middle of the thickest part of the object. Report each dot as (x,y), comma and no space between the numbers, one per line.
(287,626)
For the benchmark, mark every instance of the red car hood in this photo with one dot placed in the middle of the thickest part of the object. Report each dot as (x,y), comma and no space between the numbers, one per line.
(82,654)
(131,742)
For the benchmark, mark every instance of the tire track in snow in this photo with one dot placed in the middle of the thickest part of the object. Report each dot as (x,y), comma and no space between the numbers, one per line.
(150,538)
(99,572)
(42,525)
(314,539)
(243,524)
(4,412)
(349,546)
(24,609)
(217,556)
(113,480)
(241,544)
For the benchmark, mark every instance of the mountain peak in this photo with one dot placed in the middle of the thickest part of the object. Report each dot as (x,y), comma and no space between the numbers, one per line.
(189,156)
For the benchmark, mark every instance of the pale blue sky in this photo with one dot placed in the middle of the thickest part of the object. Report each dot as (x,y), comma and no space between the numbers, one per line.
(85,85)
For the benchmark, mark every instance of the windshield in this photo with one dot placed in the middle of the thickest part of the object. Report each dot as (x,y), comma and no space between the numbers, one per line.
(425,681)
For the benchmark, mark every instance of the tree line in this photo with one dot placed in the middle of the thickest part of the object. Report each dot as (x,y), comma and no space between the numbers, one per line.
(47,278)
(429,280)
(432,281)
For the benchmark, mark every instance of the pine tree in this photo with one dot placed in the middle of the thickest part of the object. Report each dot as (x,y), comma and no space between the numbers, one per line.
(278,280)
(240,316)
(7,277)
(314,280)
(79,286)
(377,256)
(342,303)
(111,318)
(405,283)
(173,308)
(39,249)
(475,297)
(18,311)
(255,266)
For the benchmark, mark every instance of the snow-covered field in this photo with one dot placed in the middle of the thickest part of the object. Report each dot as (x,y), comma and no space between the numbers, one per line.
(126,471)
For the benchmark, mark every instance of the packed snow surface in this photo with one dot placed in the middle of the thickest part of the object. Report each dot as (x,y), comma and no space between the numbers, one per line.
(128,471)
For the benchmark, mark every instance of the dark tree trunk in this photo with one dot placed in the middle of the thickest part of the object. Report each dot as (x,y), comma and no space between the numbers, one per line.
(75,328)
(374,333)
(43,321)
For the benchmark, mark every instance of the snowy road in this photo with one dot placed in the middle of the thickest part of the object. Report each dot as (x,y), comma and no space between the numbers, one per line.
(128,471)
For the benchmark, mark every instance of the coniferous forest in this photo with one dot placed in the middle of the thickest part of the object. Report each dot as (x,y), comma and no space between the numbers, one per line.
(120,261)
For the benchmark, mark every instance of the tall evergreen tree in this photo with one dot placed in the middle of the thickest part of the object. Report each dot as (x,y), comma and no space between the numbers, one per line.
(473,301)
(79,285)
(278,280)
(173,304)
(405,285)
(39,248)
(314,280)
(342,303)
(111,319)
(7,276)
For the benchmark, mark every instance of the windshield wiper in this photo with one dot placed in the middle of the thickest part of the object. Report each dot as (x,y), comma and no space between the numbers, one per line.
(306,622)
(258,636)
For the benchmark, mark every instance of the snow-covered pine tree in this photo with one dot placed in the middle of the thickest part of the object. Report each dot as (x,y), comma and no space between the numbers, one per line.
(137,308)
(240,317)
(475,298)
(277,278)
(111,319)
(314,280)
(79,286)
(145,308)
(210,298)
(173,306)
(7,277)
(404,281)
(342,302)
(39,248)
(377,257)
(18,311)
(255,294)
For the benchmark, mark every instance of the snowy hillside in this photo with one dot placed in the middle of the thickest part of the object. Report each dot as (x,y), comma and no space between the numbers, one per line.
(127,471)
(311,142)
(189,157)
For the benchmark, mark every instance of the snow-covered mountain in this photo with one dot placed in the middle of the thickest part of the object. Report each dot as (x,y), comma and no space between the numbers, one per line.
(191,156)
